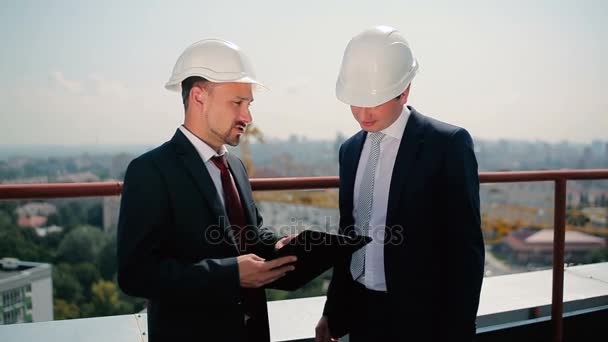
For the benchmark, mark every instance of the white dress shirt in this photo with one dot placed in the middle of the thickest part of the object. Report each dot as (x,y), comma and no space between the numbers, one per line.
(373,278)
(207,152)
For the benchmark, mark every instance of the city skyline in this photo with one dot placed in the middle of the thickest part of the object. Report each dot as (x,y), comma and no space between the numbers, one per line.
(93,73)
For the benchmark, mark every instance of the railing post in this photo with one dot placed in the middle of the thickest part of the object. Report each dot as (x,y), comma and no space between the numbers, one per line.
(559,236)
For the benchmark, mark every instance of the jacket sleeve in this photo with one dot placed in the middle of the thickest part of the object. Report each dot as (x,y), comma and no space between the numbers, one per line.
(465,261)
(144,269)
(337,305)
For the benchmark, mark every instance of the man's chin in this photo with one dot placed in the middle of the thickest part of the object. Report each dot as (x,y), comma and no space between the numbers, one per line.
(233,141)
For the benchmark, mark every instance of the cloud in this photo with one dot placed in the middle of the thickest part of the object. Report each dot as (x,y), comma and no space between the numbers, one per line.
(90,109)
(95,85)
(72,86)
(104,87)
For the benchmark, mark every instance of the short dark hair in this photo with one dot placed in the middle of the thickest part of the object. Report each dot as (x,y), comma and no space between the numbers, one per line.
(187,85)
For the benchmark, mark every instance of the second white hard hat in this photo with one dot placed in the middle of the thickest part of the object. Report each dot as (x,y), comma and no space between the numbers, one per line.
(216,60)
(377,66)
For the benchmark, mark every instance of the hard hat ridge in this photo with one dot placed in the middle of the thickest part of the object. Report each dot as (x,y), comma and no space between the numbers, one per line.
(215,60)
(377,66)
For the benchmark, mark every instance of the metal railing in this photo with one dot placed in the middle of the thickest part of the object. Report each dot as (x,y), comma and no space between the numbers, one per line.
(559,177)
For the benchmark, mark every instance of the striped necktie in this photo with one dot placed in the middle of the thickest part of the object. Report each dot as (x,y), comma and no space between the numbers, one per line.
(365,202)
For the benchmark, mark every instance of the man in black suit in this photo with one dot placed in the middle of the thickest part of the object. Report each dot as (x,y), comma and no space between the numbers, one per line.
(411,183)
(189,235)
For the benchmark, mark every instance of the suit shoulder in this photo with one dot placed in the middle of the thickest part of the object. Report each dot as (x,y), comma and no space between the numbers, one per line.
(354,137)
(445,131)
(441,127)
(154,156)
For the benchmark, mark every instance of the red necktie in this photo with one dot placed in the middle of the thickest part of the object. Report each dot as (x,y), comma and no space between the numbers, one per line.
(253,299)
(236,214)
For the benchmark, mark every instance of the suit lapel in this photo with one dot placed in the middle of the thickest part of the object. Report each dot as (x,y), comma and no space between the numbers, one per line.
(352,154)
(241,180)
(196,167)
(409,150)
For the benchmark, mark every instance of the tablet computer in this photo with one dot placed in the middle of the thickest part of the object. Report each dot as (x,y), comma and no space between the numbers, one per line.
(317,252)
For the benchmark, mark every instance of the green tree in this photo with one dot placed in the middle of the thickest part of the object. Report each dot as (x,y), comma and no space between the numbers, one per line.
(95,215)
(72,214)
(87,274)
(5,219)
(9,207)
(54,220)
(103,174)
(105,301)
(21,243)
(599,255)
(132,304)
(65,284)
(81,245)
(51,241)
(577,218)
(107,259)
(64,310)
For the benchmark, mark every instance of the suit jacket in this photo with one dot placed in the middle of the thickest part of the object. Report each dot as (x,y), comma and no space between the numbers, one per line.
(176,249)
(434,251)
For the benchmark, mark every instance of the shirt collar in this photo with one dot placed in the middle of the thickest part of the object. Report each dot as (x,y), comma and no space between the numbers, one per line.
(204,150)
(395,130)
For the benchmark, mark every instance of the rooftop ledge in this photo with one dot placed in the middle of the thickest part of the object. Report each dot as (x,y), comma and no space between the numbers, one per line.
(505,300)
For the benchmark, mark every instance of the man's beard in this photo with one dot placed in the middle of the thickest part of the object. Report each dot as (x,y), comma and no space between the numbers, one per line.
(230,140)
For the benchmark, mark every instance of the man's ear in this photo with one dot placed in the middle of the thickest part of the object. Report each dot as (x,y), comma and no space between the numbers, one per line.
(406,93)
(198,94)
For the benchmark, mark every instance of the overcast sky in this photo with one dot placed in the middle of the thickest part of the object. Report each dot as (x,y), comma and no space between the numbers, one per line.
(82,72)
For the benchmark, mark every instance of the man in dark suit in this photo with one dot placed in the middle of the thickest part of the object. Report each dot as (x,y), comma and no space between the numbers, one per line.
(189,235)
(411,183)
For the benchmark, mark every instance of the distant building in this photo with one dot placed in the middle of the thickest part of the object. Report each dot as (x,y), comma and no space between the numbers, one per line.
(34,214)
(44,231)
(598,216)
(535,246)
(31,221)
(26,291)
(586,158)
(119,165)
(287,218)
(264,172)
(18,162)
(111,209)
(36,209)
(80,177)
(27,180)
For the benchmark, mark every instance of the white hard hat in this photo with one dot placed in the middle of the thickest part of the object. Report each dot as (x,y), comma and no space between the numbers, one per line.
(216,60)
(377,66)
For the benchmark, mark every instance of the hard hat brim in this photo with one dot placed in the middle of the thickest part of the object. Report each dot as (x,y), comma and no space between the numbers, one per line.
(361,97)
(176,85)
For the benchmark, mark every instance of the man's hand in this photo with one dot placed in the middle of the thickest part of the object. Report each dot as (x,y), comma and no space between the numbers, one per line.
(322,331)
(284,241)
(255,272)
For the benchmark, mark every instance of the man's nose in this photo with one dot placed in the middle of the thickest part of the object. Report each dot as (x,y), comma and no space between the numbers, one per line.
(365,113)
(245,114)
